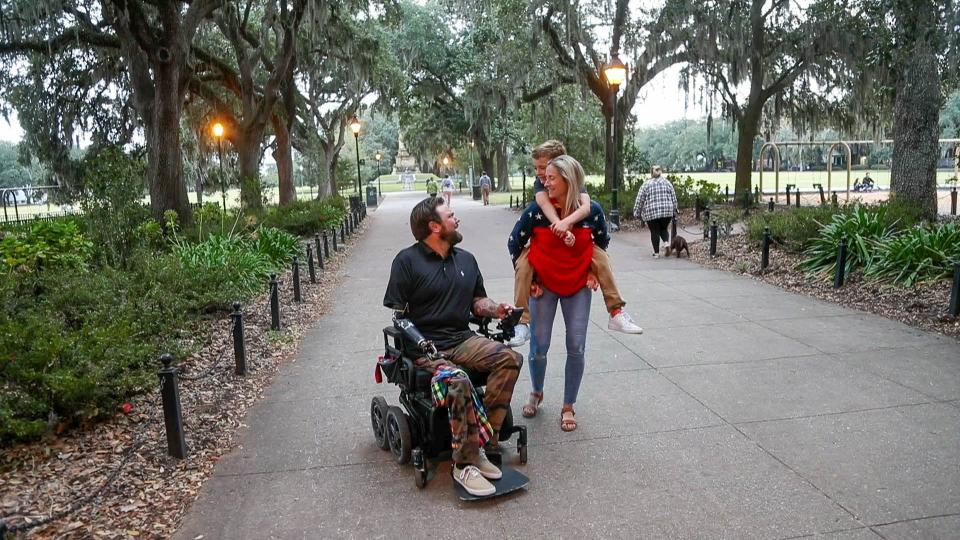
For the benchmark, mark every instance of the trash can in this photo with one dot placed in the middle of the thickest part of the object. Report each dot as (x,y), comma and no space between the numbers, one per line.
(476,192)
(371,195)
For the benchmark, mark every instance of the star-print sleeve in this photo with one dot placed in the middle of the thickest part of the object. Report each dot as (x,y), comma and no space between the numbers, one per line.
(598,222)
(521,231)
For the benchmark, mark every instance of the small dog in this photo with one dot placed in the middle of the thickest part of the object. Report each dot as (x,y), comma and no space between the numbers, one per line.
(677,245)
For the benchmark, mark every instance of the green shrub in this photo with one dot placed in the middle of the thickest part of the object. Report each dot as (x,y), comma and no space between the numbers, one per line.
(793,228)
(688,189)
(863,228)
(232,258)
(72,346)
(901,214)
(279,246)
(304,218)
(113,202)
(918,255)
(46,244)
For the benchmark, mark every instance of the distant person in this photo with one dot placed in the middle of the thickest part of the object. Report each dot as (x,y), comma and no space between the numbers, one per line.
(446,188)
(432,187)
(485,185)
(857,186)
(656,204)
(867,184)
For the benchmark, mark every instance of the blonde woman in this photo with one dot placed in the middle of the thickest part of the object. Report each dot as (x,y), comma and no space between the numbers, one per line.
(562,266)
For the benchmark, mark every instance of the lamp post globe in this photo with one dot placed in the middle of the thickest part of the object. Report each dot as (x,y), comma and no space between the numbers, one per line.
(615,73)
(355,128)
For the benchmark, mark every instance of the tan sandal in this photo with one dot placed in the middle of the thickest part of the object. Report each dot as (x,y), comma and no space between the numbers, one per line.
(567,423)
(530,408)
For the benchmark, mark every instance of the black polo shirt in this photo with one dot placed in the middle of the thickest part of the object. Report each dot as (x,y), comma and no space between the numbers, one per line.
(436,293)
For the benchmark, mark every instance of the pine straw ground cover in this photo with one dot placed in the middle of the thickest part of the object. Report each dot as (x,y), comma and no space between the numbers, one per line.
(923,306)
(145,493)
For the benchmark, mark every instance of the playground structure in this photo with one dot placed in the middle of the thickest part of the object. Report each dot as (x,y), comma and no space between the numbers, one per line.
(829,159)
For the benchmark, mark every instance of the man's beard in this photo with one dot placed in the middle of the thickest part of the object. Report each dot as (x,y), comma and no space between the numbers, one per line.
(452,237)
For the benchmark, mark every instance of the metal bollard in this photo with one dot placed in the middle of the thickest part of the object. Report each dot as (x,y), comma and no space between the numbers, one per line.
(756,195)
(823,198)
(770,205)
(334,231)
(953,201)
(726,192)
(696,207)
(788,193)
(326,249)
(706,219)
(274,303)
(833,199)
(239,350)
(316,241)
(172,412)
(955,292)
(797,193)
(511,201)
(765,256)
(343,233)
(296,280)
(713,239)
(841,264)
(310,267)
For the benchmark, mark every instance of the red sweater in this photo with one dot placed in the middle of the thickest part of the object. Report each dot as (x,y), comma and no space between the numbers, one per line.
(561,269)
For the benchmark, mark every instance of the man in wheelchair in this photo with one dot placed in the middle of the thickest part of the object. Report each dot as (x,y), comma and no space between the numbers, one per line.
(437,287)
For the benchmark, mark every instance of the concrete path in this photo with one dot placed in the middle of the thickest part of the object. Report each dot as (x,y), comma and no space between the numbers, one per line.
(742,412)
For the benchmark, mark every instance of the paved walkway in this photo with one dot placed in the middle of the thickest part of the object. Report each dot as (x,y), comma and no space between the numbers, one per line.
(742,412)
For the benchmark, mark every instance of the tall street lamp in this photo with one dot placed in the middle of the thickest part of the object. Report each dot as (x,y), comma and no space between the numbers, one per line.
(616,73)
(217,130)
(379,189)
(355,128)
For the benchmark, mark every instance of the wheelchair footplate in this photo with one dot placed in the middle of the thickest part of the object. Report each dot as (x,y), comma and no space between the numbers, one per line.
(511,481)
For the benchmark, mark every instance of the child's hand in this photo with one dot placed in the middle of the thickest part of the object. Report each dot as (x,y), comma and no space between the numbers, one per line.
(560,228)
(592,281)
(569,239)
(535,290)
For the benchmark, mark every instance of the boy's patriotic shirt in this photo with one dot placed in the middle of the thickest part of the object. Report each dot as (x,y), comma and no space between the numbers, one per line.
(532,217)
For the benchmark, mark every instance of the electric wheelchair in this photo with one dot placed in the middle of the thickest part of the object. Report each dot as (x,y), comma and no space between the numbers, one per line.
(423,431)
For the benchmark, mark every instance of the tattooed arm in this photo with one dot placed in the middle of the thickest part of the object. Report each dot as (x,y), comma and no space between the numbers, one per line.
(485,307)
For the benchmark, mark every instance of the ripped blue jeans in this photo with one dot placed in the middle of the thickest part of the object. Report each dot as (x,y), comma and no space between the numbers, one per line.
(576,317)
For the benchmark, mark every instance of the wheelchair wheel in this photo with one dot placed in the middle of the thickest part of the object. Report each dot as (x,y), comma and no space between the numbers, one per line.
(398,435)
(378,420)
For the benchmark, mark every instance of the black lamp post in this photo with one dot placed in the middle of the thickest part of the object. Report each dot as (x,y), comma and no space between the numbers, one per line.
(355,128)
(217,130)
(616,73)
(379,156)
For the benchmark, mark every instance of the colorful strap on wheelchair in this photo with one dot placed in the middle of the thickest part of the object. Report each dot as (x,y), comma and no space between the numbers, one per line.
(438,386)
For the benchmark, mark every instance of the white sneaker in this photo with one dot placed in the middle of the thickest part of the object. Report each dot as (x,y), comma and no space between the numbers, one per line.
(486,468)
(473,481)
(656,255)
(521,334)
(623,322)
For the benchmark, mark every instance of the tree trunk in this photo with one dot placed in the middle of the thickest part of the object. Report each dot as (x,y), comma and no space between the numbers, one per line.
(283,155)
(746,132)
(248,158)
(916,114)
(167,189)
(503,168)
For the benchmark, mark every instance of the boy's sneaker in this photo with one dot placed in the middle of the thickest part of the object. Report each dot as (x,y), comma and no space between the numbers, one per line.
(472,480)
(521,334)
(623,322)
(487,468)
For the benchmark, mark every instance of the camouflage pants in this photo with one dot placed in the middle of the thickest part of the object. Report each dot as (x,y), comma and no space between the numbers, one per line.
(481,355)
